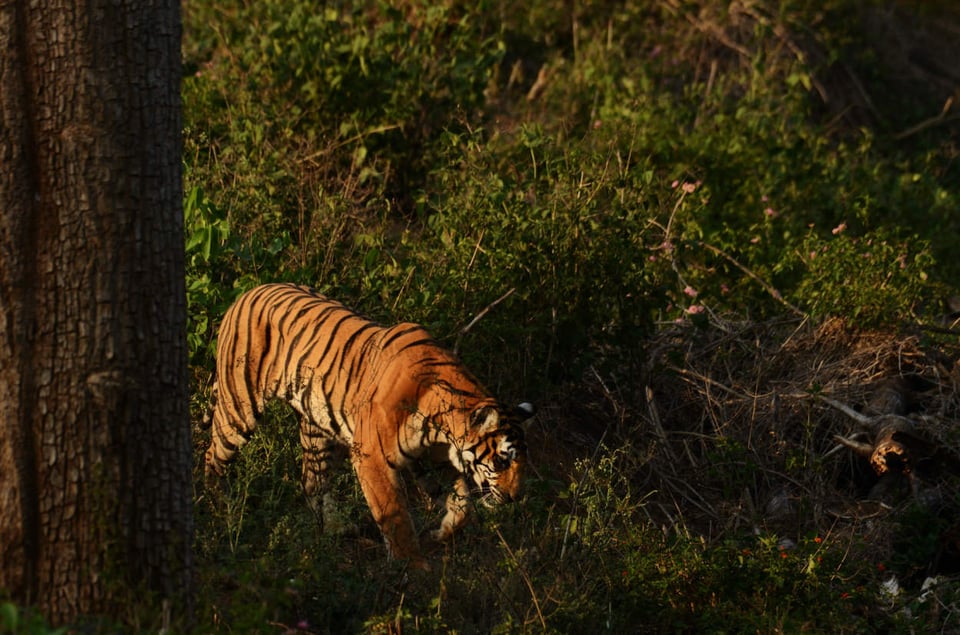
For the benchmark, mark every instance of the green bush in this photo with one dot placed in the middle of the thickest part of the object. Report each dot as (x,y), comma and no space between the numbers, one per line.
(869,279)
(340,158)
(17,621)
(544,186)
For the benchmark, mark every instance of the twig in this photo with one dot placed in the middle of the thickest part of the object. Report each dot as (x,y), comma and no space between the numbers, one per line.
(708,381)
(523,574)
(576,495)
(860,418)
(479,316)
(763,283)
(397,621)
(543,76)
(713,30)
(931,122)
(617,408)
(696,499)
(654,417)
(936,329)
(862,90)
(354,138)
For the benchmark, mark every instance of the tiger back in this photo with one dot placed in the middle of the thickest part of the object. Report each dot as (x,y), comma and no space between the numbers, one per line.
(390,395)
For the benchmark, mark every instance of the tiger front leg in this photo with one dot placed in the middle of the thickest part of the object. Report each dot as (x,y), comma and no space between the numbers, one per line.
(457,511)
(381,487)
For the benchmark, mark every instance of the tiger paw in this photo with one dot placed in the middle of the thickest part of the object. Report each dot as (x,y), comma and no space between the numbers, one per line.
(440,535)
(215,486)
(418,564)
(335,521)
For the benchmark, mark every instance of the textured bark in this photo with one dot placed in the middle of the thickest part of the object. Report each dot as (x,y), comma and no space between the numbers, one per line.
(95,450)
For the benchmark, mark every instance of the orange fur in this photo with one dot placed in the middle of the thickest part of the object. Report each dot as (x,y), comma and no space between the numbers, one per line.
(390,395)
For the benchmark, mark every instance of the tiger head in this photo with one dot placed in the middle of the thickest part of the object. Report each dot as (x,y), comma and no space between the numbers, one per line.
(494,453)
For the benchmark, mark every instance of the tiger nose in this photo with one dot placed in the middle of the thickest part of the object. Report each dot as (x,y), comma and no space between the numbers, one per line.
(508,489)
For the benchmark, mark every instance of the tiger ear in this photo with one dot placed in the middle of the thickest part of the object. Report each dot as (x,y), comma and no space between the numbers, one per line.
(485,420)
(524,412)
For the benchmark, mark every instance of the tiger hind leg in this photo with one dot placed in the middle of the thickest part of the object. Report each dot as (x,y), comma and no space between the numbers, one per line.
(227,437)
(320,452)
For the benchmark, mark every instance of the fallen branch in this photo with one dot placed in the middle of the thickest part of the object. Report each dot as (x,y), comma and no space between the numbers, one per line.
(897,445)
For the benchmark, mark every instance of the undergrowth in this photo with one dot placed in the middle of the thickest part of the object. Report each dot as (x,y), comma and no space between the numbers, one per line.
(587,202)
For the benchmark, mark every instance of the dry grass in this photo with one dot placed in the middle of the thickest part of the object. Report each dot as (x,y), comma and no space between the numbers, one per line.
(730,435)
(919,46)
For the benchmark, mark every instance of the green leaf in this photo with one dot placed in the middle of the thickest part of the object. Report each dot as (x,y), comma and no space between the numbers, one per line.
(9,617)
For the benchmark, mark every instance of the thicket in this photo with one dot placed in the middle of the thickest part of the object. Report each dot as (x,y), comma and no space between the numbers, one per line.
(599,181)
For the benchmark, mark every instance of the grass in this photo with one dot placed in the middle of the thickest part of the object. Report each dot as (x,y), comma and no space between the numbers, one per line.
(670,224)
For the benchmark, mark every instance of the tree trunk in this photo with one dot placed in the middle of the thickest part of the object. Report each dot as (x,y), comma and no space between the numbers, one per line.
(95,449)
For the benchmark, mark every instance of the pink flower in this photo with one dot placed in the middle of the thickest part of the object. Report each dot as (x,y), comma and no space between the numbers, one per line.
(724,289)
(754,240)
(770,212)
(303,625)
(690,187)
(690,291)
(694,309)
(675,184)
(839,228)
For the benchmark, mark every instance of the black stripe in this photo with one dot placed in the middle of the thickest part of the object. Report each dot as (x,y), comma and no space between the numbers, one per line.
(451,389)
(331,338)
(315,332)
(353,337)
(427,341)
(336,425)
(438,363)
(264,355)
(307,402)
(397,333)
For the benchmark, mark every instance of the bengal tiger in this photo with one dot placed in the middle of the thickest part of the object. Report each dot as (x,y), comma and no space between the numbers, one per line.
(389,395)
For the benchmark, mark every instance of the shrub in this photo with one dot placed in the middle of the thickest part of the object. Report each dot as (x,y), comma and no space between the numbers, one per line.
(568,194)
